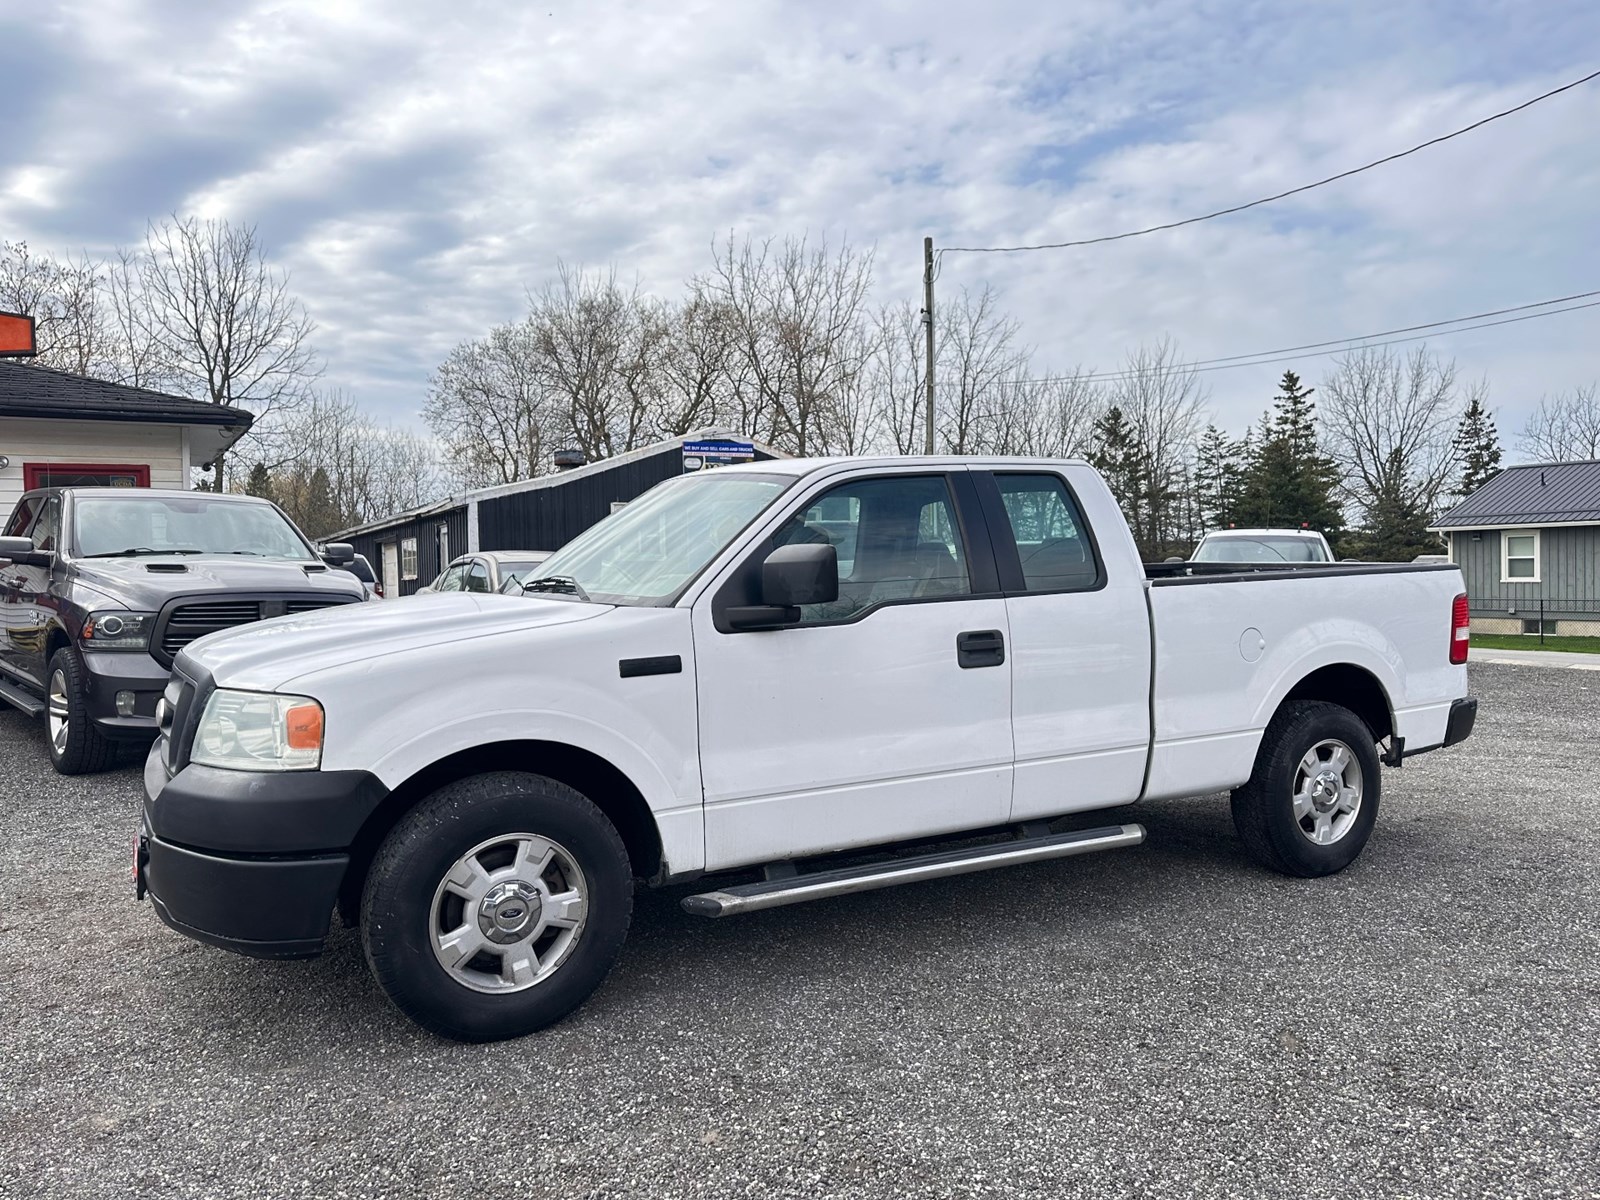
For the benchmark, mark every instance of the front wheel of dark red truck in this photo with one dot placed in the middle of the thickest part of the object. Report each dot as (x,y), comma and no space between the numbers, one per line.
(1312,800)
(497,906)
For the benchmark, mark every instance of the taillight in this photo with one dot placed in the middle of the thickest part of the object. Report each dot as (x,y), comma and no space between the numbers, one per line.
(1460,630)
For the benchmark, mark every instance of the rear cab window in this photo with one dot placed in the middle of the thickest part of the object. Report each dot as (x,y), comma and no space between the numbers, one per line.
(1053,547)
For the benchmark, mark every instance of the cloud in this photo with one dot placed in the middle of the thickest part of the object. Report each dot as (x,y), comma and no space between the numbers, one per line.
(418,166)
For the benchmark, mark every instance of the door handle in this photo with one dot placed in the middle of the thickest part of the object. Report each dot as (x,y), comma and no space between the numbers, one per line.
(980,648)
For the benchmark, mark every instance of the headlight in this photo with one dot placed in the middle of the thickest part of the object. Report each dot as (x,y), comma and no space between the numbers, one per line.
(118,630)
(259,731)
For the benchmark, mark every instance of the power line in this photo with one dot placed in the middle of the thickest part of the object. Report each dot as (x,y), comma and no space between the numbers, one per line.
(1306,187)
(1263,358)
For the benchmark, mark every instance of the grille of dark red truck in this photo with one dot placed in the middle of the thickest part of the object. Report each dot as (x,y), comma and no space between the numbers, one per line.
(184,623)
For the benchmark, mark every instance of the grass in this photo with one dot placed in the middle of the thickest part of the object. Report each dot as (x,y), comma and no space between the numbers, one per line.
(1530,641)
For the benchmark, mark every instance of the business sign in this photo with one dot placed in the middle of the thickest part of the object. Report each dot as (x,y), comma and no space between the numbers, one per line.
(16,336)
(702,456)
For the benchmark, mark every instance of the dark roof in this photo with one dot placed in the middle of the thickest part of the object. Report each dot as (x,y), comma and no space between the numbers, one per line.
(27,391)
(1542,494)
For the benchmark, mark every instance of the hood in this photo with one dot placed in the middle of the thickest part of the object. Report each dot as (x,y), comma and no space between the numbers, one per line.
(265,655)
(148,582)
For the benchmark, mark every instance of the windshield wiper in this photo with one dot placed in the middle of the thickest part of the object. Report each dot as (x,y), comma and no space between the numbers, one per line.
(135,551)
(556,583)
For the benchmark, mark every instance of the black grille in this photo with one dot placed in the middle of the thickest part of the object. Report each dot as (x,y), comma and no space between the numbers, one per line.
(187,622)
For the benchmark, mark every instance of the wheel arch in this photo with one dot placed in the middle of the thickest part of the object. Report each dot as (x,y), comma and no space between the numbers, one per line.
(1351,687)
(601,781)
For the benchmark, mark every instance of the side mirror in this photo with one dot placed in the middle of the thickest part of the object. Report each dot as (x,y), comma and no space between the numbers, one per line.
(790,576)
(802,574)
(338,554)
(20,551)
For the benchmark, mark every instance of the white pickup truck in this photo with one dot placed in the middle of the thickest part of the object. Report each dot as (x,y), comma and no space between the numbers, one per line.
(745,672)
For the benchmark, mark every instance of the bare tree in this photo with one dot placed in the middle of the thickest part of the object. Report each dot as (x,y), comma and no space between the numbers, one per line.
(1047,417)
(896,376)
(135,353)
(978,354)
(491,410)
(798,310)
(701,373)
(1390,421)
(64,299)
(224,318)
(1163,403)
(595,353)
(1565,427)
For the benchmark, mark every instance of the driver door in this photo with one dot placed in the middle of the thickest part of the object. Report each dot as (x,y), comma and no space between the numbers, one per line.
(883,716)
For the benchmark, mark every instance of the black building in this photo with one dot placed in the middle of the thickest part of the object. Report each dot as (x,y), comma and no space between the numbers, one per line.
(409,549)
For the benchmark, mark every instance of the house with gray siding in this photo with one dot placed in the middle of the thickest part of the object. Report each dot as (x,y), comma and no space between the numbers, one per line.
(1528,544)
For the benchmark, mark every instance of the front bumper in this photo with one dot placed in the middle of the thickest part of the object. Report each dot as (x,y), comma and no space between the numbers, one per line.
(112,671)
(250,861)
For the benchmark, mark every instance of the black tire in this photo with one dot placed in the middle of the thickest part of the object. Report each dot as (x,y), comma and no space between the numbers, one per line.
(1263,809)
(82,749)
(398,917)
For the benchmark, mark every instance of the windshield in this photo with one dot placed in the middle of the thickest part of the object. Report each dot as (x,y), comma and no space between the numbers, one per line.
(106,526)
(1260,549)
(649,551)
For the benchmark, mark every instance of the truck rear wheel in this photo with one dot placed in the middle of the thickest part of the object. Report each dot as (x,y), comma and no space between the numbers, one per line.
(76,746)
(497,906)
(1312,800)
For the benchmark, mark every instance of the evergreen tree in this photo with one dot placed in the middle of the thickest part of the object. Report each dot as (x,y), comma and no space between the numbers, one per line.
(1121,461)
(1218,477)
(1477,447)
(1288,481)
(319,514)
(259,482)
(1397,528)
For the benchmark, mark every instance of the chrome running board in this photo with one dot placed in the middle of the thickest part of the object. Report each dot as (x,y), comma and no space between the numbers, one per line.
(819,885)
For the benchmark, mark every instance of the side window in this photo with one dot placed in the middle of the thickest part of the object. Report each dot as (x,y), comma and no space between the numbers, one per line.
(896,539)
(1052,539)
(22,517)
(47,530)
(451,581)
(478,578)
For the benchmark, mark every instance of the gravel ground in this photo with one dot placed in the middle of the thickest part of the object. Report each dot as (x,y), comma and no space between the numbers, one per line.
(1164,1021)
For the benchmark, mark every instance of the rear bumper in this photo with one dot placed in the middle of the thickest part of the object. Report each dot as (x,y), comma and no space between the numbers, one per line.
(1457,729)
(1463,716)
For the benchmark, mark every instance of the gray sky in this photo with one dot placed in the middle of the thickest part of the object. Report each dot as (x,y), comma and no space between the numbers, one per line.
(416,167)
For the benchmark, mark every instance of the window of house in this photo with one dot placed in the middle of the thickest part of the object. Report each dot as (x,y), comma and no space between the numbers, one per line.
(1519,554)
(40,475)
(408,558)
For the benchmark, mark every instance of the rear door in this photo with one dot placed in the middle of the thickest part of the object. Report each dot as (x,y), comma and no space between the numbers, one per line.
(885,715)
(1079,647)
(35,605)
(16,615)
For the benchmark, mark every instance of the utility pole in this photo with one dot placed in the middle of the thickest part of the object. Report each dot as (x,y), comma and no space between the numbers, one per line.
(927,323)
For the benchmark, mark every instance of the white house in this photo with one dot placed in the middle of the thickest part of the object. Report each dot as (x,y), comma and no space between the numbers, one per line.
(57,428)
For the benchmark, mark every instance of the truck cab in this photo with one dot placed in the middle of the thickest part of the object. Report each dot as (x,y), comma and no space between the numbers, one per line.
(101,587)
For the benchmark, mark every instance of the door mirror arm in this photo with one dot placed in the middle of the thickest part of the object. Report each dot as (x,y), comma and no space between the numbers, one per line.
(20,550)
(752,617)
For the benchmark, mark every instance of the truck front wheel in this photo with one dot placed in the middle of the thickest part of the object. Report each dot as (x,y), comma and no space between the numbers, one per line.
(1312,800)
(76,746)
(496,906)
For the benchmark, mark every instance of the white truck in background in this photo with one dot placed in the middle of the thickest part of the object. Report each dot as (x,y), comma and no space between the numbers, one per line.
(741,675)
